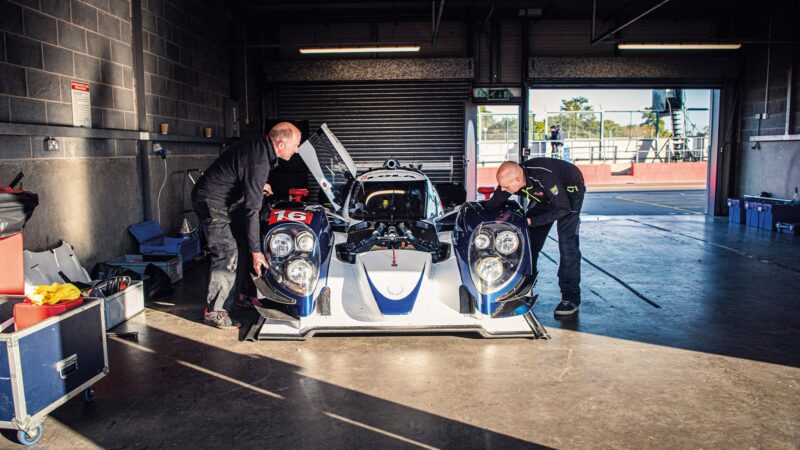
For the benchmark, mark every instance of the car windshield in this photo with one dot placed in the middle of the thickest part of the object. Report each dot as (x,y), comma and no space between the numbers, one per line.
(381,200)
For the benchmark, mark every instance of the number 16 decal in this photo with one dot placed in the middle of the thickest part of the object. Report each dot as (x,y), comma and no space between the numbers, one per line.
(282,215)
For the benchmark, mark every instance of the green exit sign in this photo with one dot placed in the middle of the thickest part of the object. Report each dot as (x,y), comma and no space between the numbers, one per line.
(493,93)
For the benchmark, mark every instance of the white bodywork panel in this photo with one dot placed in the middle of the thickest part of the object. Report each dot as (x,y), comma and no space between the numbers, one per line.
(353,308)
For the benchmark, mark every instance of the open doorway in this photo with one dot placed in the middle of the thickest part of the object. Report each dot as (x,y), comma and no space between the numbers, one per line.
(642,151)
(498,140)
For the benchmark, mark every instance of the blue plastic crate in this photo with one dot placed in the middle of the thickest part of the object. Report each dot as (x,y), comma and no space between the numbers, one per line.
(788,228)
(736,211)
(751,213)
(153,242)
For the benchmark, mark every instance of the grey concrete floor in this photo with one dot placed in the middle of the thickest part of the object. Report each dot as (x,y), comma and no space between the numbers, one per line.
(687,338)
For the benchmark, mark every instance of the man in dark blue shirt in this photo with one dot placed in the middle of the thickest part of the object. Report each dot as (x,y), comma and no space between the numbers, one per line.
(239,175)
(554,189)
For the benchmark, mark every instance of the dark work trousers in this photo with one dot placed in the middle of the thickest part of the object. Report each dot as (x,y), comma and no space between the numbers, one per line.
(569,267)
(216,224)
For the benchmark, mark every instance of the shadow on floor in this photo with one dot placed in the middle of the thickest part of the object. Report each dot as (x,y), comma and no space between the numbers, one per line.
(232,400)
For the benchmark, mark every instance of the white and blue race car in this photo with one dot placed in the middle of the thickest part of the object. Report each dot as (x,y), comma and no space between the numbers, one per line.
(383,257)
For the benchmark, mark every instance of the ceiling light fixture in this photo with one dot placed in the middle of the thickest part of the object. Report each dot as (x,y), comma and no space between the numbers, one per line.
(365,49)
(679,46)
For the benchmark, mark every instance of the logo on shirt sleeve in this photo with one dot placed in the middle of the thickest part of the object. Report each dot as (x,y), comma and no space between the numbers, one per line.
(554,190)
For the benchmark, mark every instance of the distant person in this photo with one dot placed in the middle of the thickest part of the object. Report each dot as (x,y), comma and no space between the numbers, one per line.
(553,137)
(554,190)
(559,138)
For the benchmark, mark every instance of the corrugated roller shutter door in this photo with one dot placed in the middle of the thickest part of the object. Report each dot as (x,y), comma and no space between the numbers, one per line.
(413,122)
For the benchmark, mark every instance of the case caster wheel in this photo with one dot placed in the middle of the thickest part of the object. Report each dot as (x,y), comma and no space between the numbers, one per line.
(88,394)
(27,439)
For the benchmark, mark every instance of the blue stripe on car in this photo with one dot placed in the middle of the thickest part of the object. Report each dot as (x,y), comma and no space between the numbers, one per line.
(390,307)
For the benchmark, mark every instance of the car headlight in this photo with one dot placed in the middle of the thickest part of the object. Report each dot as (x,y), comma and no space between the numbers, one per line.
(300,272)
(304,241)
(490,269)
(495,254)
(281,245)
(482,241)
(506,242)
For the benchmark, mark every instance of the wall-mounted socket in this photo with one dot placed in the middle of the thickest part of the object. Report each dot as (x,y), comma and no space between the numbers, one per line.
(50,144)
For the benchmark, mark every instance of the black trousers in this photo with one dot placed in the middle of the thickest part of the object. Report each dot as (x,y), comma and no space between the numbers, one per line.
(216,223)
(569,266)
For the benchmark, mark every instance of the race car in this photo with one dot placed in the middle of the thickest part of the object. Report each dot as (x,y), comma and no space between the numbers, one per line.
(381,256)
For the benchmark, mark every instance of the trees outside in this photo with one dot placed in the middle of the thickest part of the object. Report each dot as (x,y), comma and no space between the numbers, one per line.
(497,127)
(574,122)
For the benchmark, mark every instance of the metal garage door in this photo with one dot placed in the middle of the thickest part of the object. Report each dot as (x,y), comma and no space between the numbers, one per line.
(414,122)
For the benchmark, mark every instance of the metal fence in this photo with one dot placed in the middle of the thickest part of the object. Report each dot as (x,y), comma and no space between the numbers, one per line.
(597,137)
(642,150)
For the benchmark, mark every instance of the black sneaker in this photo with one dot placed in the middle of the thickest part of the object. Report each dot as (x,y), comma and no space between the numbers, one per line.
(566,308)
(244,302)
(221,320)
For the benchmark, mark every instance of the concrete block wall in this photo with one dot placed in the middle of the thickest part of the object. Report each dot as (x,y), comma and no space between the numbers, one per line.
(186,66)
(772,167)
(46,44)
(91,189)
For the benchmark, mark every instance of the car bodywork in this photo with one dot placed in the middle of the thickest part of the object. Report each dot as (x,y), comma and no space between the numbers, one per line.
(382,256)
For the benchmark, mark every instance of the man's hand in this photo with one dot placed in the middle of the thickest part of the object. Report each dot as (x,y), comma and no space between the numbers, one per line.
(259,262)
(267,191)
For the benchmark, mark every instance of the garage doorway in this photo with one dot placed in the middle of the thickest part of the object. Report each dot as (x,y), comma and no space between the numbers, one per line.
(498,140)
(642,151)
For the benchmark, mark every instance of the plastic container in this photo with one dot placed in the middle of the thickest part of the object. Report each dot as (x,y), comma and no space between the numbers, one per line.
(751,213)
(153,242)
(27,313)
(122,305)
(736,211)
(12,267)
(171,264)
(788,228)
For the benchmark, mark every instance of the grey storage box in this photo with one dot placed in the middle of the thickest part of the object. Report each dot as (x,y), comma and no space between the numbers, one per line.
(46,364)
(122,305)
(170,264)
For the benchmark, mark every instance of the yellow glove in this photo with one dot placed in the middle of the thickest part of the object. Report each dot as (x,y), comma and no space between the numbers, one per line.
(54,294)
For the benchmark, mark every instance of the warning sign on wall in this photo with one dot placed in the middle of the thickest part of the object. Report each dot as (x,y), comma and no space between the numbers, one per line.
(81,105)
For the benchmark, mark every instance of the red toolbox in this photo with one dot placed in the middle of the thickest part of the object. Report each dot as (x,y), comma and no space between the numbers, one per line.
(27,313)
(12,274)
(16,207)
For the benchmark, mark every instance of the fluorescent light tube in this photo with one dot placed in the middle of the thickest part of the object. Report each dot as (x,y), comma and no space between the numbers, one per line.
(373,49)
(678,46)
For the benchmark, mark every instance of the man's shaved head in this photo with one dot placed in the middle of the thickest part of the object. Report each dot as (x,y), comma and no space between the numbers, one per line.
(285,139)
(511,177)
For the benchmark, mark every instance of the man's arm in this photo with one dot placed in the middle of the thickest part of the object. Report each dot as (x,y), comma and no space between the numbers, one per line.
(498,198)
(559,203)
(255,175)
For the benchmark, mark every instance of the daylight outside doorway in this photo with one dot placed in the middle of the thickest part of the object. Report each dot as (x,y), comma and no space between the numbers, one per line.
(642,151)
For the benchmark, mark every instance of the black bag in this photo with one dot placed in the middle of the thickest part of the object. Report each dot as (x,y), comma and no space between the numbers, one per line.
(16,207)
(159,282)
(157,285)
(103,271)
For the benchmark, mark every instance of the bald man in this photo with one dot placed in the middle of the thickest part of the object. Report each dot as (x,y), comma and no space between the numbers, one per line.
(554,189)
(238,178)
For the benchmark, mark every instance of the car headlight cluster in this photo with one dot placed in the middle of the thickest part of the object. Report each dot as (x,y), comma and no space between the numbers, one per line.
(281,244)
(495,254)
(505,242)
(294,257)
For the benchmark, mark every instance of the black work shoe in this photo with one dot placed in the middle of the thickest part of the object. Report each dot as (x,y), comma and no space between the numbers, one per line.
(566,308)
(221,320)
(244,302)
